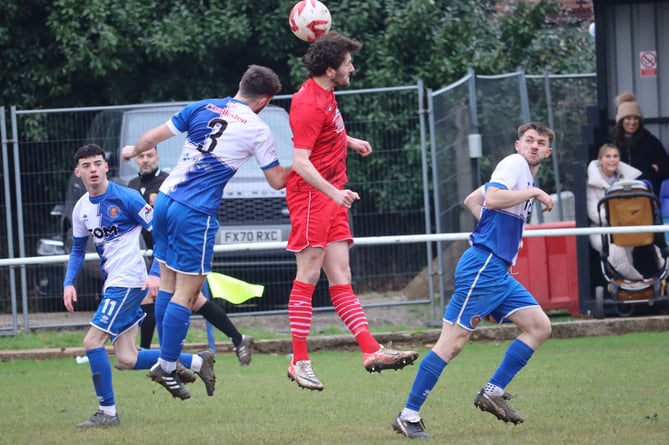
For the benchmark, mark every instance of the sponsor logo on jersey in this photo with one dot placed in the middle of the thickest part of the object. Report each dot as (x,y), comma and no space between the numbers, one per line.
(146,213)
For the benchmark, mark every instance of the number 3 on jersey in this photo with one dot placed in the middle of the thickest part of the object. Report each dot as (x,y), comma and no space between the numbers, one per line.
(217,126)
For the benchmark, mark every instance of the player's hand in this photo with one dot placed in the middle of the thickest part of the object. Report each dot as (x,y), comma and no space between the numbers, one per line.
(152,283)
(69,297)
(363,148)
(545,199)
(345,198)
(128,152)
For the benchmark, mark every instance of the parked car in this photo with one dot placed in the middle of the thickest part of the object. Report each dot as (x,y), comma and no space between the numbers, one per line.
(251,210)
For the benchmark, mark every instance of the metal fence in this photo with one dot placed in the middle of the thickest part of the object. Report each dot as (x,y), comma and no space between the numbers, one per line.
(425,161)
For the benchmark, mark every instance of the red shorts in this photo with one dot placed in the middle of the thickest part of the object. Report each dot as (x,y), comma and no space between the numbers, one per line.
(316,221)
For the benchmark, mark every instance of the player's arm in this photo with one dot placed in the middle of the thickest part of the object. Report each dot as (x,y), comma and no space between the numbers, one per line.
(499,198)
(474,202)
(277,176)
(360,146)
(74,265)
(303,167)
(149,139)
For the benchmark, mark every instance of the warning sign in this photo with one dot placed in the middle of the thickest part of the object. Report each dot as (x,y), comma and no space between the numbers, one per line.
(648,63)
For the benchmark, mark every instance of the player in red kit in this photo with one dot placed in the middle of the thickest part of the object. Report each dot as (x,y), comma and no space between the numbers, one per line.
(318,203)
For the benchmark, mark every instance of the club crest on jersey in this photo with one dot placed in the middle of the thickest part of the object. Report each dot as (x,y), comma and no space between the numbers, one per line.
(113,211)
(475,320)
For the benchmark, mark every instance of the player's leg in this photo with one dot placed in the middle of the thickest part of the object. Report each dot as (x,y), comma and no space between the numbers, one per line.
(163,298)
(174,330)
(216,315)
(522,309)
(451,341)
(187,259)
(148,326)
(117,313)
(300,313)
(161,250)
(467,305)
(308,239)
(101,373)
(347,305)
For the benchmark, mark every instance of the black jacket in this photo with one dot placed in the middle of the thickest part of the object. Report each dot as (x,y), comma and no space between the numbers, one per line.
(643,150)
(148,185)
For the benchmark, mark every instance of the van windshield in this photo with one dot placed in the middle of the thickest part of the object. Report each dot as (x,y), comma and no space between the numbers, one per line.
(136,122)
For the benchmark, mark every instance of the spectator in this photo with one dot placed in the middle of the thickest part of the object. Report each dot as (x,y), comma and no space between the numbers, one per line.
(638,147)
(602,172)
(630,262)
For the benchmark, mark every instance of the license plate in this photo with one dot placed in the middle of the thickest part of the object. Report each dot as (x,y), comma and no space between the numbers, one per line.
(250,236)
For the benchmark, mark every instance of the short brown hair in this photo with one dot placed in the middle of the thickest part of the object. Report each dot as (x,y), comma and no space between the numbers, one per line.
(259,81)
(539,128)
(329,51)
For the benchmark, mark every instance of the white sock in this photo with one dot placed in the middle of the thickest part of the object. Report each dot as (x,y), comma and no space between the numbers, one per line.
(493,389)
(167,366)
(109,410)
(196,363)
(410,415)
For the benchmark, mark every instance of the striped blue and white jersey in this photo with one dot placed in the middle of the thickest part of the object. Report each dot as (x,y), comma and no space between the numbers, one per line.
(114,220)
(500,231)
(222,134)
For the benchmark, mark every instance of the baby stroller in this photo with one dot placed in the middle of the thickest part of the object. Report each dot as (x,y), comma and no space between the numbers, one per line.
(632,203)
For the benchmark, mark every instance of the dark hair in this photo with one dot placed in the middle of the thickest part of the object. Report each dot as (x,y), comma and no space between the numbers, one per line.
(329,51)
(539,128)
(88,151)
(618,134)
(259,81)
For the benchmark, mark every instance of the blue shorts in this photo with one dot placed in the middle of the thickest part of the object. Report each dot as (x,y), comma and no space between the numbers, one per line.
(483,286)
(119,310)
(183,238)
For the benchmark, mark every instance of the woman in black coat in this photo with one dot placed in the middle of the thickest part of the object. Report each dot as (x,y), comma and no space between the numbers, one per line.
(638,146)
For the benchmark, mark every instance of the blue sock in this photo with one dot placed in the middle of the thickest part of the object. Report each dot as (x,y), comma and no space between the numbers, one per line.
(175,328)
(186,360)
(146,358)
(102,375)
(516,356)
(162,300)
(429,370)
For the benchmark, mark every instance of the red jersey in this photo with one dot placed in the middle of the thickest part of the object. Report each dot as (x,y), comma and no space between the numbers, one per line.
(317,125)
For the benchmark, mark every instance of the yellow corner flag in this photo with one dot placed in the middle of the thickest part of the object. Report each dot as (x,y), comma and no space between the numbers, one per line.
(231,289)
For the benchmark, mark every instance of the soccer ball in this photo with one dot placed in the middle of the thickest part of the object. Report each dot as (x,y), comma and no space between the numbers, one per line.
(309,19)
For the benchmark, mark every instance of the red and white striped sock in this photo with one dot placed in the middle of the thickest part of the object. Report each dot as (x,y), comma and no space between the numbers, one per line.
(348,308)
(300,314)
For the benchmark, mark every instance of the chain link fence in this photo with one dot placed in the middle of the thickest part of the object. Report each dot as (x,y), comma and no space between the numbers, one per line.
(431,148)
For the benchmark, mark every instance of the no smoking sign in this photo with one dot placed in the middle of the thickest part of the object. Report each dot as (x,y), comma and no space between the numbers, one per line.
(648,63)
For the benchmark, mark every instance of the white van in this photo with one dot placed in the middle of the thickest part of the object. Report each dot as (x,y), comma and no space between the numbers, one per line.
(250,211)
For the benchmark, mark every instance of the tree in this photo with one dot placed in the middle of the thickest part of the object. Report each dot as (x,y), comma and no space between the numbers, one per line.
(60,53)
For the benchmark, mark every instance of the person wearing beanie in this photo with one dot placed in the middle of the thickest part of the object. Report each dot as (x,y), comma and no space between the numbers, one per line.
(638,146)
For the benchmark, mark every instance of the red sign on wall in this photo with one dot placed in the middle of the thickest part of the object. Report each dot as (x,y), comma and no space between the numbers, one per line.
(648,63)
